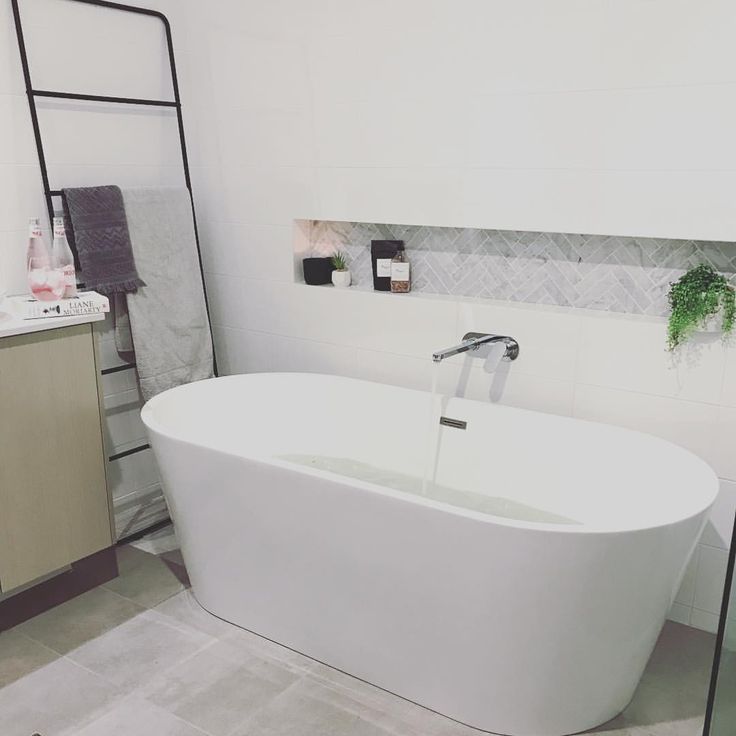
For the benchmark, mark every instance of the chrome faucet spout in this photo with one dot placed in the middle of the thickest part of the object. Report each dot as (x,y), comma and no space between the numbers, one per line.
(474,340)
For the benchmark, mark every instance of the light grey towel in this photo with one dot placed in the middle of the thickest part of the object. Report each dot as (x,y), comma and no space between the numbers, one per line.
(168,317)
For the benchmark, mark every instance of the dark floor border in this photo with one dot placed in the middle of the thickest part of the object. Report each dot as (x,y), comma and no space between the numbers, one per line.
(84,575)
(135,536)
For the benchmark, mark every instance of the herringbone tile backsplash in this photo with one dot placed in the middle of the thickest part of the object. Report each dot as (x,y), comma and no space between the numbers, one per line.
(619,274)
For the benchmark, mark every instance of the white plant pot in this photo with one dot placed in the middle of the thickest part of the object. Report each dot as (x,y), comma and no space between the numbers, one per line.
(341,278)
(713,325)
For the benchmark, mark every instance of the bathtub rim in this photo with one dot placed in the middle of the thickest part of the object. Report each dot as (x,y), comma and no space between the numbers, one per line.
(581,528)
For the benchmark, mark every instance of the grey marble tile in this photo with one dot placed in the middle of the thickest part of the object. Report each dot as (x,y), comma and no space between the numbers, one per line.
(57,699)
(80,620)
(19,656)
(621,274)
(145,578)
(217,694)
(138,650)
(137,717)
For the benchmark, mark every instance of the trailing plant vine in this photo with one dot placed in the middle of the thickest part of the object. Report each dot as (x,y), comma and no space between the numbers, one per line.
(696,296)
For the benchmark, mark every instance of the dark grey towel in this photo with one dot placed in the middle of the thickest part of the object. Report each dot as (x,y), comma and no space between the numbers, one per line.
(99,235)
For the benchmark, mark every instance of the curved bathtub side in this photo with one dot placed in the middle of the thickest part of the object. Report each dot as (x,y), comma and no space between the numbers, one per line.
(511,630)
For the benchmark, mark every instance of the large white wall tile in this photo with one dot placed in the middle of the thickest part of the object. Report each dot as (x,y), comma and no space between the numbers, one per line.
(710,579)
(618,351)
(308,356)
(680,614)
(501,384)
(11,75)
(548,338)
(268,137)
(124,175)
(264,251)
(95,134)
(252,72)
(13,246)
(686,423)
(704,620)
(677,204)
(634,129)
(248,251)
(728,397)
(423,133)
(21,198)
(242,351)
(686,593)
(428,196)
(724,442)
(17,145)
(719,531)
(226,296)
(61,60)
(269,195)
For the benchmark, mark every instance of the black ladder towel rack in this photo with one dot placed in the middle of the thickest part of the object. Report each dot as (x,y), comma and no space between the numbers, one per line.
(50,193)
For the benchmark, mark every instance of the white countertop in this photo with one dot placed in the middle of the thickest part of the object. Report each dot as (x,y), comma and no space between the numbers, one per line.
(10,324)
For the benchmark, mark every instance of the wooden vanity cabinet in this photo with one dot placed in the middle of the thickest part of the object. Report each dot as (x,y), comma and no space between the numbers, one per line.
(54,503)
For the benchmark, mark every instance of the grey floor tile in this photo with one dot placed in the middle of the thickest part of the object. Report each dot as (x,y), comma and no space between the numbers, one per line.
(217,694)
(57,700)
(239,645)
(136,717)
(19,656)
(145,578)
(671,697)
(138,650)
(309,708)
(388,711)
(80,620)
(184,607)
(158,542)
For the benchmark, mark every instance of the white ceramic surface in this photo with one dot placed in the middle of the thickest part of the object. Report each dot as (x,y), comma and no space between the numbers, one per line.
(513,626)
(341,279)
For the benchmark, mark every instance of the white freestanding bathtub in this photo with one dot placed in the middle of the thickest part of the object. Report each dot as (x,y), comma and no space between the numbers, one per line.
(521,593)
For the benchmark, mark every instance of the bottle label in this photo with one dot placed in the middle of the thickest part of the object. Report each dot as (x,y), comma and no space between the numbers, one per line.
(59,231)
(400,271)
(383,268)
(35,231)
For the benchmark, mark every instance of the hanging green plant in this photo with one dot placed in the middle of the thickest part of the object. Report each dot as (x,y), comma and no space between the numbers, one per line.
(698,295)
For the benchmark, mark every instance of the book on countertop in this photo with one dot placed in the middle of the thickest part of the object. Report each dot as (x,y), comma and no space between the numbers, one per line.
(86,302)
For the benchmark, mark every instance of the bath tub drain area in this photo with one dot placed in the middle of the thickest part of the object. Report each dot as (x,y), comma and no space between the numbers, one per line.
(499,506)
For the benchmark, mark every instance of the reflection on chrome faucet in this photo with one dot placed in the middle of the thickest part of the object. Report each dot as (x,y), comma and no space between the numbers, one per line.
(474,340)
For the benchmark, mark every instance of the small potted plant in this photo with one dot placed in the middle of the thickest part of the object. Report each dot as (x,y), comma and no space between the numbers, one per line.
(341,275)
(702,299)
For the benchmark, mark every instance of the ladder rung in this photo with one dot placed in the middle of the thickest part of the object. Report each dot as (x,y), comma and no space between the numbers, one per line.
(103,98)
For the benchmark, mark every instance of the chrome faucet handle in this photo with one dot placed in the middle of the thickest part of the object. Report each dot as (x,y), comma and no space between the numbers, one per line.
(484,338)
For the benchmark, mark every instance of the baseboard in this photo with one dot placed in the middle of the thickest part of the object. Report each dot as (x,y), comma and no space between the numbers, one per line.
(84,575)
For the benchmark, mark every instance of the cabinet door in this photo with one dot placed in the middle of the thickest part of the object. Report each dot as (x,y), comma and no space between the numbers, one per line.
(53,494)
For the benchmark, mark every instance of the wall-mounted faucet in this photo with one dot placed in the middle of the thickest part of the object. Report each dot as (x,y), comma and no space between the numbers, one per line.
(473,340)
